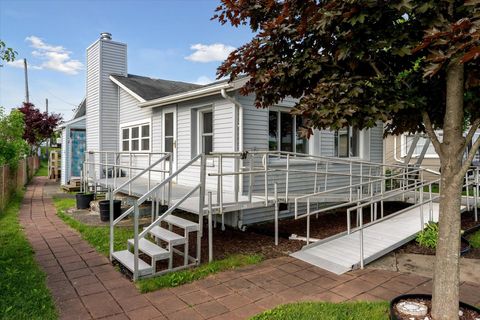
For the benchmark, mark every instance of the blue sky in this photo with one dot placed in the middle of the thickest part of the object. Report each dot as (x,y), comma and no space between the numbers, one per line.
(168,39)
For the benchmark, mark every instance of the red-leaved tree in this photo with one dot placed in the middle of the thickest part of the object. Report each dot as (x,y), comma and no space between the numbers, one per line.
(39,125)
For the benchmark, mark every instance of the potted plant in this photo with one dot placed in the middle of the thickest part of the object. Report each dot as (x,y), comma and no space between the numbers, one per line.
(419,306)
(84,199)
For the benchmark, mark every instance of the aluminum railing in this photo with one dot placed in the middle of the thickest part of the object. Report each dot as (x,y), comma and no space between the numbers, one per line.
(418,187)
(104,165)
(153,194)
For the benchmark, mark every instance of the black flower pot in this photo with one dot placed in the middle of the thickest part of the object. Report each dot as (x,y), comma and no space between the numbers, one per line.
(393,313)
(105,209)
(84,199)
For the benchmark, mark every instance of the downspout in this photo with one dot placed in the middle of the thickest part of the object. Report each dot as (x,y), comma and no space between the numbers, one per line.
(395,149)
(238,145)
(238,105)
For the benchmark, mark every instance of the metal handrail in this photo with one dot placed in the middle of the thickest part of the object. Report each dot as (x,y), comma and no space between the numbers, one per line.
(303,156)
(420,204)
(170,178)
(169,211)
(349,187)
(138,175)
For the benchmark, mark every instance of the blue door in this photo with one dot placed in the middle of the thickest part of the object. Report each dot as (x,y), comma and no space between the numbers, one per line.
(77,138)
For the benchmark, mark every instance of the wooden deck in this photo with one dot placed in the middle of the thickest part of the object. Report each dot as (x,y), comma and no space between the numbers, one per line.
(341,253)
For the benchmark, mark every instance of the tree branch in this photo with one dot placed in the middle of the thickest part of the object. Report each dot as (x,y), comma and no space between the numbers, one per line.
(374,67)
(471,132)
(468,161)
(431,133)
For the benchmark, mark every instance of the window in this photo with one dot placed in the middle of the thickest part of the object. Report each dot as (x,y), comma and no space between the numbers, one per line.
(206,131)
(169,136)
(419,146)
(136,138)
(284,134)
(347,142)
(408,139)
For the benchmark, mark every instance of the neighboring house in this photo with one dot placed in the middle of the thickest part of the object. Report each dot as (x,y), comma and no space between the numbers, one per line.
(73,141)
(398,147)
(135,114)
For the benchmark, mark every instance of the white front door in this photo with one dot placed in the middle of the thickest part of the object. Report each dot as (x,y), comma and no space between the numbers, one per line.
(170,134)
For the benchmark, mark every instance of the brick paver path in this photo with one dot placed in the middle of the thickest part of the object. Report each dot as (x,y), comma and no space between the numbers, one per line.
(85,286)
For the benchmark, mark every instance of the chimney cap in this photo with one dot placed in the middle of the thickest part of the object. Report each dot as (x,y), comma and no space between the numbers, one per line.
(105,36)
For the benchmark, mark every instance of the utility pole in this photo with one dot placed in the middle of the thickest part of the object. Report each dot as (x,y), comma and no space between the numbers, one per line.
(48,140)
(27,97)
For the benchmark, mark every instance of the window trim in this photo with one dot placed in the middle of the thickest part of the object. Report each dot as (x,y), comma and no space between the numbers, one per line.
(279,110)
(136,124)
(200,134)
(404,150)
(362,145)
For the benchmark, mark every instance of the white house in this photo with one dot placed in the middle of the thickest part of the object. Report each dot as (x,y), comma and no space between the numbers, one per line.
(135,114)
(174,143)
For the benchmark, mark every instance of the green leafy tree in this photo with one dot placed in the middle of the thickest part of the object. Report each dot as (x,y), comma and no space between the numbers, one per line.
(12,145)
(413,64)
(6,53)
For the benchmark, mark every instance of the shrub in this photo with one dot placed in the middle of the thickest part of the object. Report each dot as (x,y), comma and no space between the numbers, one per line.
(428,236)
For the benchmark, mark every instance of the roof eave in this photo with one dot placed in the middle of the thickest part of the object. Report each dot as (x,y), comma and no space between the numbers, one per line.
(194,94)
(73,121)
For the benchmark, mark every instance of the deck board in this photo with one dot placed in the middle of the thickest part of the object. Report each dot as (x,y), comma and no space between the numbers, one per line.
(341,254)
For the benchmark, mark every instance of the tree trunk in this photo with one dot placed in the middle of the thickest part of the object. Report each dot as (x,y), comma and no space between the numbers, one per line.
(446,271)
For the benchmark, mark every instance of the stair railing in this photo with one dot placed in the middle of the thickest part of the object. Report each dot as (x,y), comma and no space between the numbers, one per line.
(112,192)
(135,209)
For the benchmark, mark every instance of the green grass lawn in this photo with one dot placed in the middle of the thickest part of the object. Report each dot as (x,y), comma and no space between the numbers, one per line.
(98,237)
(474,239)
(327,311)
(43,169)
(178,278)
(23,292)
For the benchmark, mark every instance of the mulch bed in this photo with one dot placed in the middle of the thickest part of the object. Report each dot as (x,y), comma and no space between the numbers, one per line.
(468,222)
(466,314)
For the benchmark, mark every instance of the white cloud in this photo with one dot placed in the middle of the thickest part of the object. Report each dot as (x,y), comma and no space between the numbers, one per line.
(15,63)
(55,58)
(209,52)
(203,80)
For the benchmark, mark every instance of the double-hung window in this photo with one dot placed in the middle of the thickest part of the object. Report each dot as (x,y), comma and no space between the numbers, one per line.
(347,142)
(205,141)
(136,138)
(284,133)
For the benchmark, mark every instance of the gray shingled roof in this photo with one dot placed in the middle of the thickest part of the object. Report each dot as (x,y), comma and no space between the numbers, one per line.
(80,110)
(150,89)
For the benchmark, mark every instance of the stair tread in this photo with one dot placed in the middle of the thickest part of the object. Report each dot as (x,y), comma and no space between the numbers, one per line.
(167,235)
(181,222)
(150,248)
(127,258)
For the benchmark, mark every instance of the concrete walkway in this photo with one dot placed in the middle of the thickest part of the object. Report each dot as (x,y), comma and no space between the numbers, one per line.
(85,285)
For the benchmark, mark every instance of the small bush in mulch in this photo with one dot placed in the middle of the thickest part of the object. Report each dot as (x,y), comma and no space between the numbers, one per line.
(421,245)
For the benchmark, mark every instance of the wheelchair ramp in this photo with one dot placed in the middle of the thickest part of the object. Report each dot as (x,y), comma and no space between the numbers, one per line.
(341,253)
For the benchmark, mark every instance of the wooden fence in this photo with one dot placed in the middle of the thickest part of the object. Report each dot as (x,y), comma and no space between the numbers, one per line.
(14,179)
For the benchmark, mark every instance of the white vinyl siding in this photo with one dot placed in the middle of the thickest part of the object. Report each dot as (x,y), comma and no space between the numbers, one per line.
(104,58)
(93,97)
